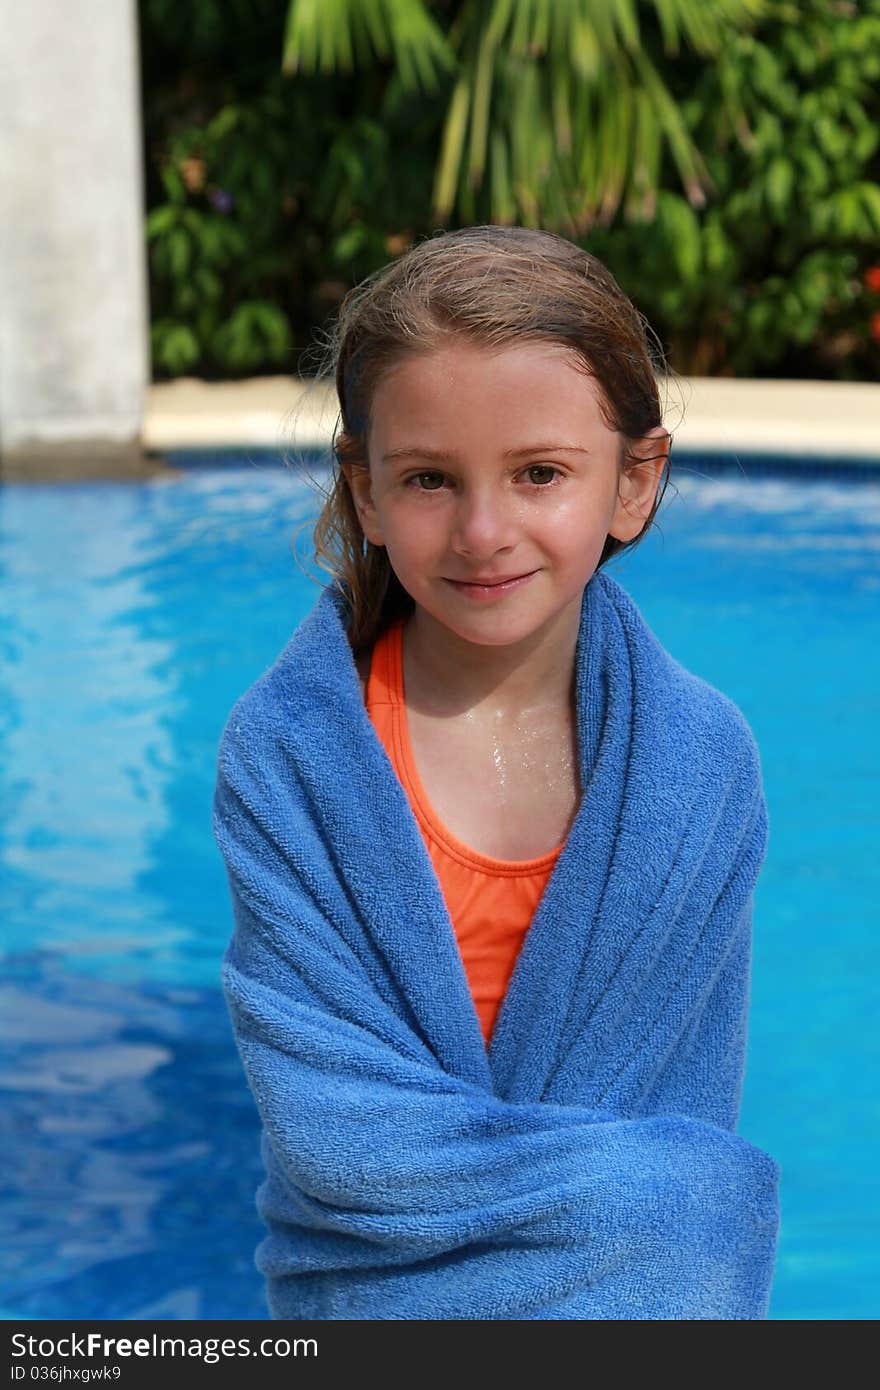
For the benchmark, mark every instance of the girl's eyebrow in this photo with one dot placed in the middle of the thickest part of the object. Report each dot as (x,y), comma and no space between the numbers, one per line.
(426,452)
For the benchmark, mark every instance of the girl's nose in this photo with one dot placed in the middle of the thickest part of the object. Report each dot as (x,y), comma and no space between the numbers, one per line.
(485,521)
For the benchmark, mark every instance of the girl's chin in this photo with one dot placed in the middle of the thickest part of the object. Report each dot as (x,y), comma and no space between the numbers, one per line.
(487,626)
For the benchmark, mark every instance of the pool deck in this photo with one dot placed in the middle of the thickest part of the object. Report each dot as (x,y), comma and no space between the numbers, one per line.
(835,424)
(823,419)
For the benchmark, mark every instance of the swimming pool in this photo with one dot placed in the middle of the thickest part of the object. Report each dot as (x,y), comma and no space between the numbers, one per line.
(133,615)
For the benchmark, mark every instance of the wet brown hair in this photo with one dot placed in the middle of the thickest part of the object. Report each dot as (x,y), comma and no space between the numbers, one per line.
(492,285)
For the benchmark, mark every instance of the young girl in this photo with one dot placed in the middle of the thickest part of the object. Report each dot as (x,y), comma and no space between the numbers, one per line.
(491,849)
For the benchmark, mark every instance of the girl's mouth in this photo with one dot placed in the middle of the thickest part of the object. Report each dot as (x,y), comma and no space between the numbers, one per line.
(490,591)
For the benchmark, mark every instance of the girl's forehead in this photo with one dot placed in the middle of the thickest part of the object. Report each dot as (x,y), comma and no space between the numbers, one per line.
(488,401)
(462,355)
(471,370)
(468,383)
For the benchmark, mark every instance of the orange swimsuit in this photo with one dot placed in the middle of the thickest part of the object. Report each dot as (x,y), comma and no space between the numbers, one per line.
(491,902)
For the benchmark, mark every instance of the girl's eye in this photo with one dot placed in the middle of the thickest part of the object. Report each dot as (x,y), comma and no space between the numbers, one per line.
(415,479)
(417,476)
(543,468)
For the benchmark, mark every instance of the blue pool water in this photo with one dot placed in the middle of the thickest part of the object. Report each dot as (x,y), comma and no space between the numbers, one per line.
(132,616)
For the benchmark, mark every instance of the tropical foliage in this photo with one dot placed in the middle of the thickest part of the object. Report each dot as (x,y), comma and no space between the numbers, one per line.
(719,155)
(774,275)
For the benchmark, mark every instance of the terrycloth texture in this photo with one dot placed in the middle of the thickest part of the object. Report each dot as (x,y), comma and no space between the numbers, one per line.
(587,1166)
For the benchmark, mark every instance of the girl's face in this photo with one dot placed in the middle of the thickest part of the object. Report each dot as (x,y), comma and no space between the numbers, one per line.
(492,465)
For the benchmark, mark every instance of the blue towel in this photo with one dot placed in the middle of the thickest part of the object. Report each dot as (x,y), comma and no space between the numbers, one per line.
(586,1165)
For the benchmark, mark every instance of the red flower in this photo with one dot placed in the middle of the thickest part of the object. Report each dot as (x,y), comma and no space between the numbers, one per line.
(874,326)
(872,278)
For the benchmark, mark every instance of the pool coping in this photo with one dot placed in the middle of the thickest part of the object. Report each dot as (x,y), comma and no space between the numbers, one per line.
(821,419)
(831,427)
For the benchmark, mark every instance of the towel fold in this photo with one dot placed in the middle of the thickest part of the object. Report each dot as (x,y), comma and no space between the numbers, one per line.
(586,1165)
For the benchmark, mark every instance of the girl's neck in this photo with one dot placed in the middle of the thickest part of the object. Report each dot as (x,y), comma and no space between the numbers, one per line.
(446,676)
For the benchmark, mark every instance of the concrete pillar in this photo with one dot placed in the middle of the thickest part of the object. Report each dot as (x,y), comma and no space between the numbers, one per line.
(74,360)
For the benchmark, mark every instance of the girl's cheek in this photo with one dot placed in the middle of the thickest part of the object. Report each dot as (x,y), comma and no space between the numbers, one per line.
(422,506)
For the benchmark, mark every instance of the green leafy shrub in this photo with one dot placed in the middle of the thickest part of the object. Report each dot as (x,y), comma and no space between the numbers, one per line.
(770,278)
(270,192)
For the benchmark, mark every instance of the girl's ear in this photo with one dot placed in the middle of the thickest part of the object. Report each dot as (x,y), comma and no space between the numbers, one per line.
(357,475)
(640,477)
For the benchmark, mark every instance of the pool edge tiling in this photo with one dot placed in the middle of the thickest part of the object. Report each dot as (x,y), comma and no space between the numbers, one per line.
(773,425)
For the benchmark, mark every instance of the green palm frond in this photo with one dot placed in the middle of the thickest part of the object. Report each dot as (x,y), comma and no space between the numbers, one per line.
(338,35)
(703,25)
(555,105)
